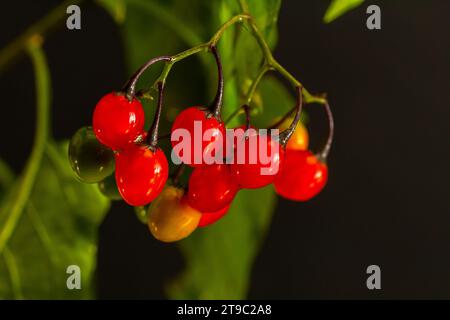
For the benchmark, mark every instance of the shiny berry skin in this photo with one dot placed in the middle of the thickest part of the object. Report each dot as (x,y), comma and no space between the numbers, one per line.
(117,122)
(211,188)
(251,171)
(108,187)
(187,120)
(303,176)
(299,139)
(91,161)
(141,174)
(210,218)
(170,218)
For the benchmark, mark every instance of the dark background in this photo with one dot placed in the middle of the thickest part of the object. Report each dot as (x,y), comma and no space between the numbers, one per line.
(387,198)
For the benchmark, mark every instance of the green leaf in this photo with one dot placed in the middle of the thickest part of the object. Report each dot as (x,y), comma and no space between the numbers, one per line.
(116,8)
(58,228)
(6,177)
(219,257)
(339,7)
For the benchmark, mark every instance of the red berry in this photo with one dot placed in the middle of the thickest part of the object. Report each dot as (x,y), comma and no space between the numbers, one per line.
(117,121)
(192,119)
(253,168)
(141,174)
(303,176)
(210,218)
(211,188)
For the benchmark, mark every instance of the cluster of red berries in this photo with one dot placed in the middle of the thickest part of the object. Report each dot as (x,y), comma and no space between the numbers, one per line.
(117,142)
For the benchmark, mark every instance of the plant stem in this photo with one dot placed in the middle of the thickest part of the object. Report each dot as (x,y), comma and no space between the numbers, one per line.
(199,48)
(286,134)
(251,91)
(269,61)
(26,182)
(218,100)
(130,87)
(41,27)
(326,149)
(238,18)
(272,62)
(152,137)
(11,265)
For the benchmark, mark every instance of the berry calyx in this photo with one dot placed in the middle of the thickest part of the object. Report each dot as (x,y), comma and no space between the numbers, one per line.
(210,218)
(211,188)
(118,121)
(170,218)
(91,161)
(304,175)
(141,172)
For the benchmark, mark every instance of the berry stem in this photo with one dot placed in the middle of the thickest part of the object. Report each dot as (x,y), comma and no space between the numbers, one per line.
(283,119)
(177,174)
(286,134)
(251,91)
(326,149)
(246,108)
(218,100)
(130,86)
(152,137)
(269,61)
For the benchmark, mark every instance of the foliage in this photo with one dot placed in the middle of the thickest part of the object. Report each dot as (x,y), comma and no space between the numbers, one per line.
(339,7)
(49,220)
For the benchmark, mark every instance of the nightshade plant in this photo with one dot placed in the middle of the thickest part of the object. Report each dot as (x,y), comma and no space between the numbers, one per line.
(49,218)
(141,167)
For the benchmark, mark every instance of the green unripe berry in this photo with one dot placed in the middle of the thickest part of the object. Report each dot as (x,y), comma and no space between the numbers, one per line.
(108,188)
(91,161)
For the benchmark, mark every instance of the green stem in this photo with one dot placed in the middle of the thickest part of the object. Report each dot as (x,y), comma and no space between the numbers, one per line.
(254,85)
(41,27)
(178,57)
(14,275)
(26,182)
(199,48)
(273,63)
(251,91)
(238,18)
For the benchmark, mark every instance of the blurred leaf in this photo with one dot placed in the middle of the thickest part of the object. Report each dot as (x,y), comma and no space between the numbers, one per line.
(339,7)
(6,177)
(58,228)
(219,257)
(116,8)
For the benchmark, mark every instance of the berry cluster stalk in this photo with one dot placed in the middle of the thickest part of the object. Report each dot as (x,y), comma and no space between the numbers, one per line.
(286,134)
